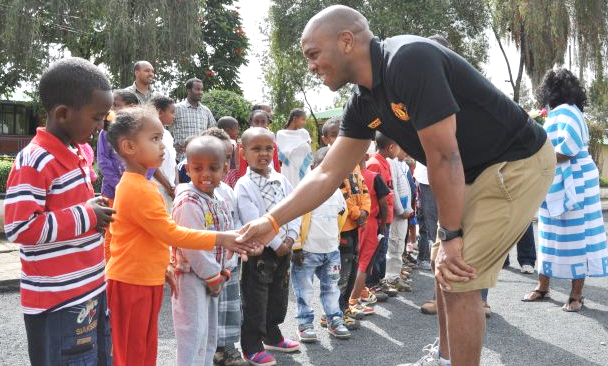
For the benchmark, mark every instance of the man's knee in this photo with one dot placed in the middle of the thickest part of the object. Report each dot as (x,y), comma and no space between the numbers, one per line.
(457,299)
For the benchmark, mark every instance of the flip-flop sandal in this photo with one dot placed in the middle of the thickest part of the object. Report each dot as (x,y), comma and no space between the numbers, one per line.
(580,300)
(542,295)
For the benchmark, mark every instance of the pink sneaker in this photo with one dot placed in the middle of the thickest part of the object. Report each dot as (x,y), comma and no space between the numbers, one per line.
(285,345)
(260,358)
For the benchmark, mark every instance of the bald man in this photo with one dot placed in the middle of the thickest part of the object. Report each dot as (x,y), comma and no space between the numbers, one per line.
(489,164)
(144,78)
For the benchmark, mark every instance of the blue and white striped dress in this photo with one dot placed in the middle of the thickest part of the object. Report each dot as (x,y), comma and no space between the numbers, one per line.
(572,239)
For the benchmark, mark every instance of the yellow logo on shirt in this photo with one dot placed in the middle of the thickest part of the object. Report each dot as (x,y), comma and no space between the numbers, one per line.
(209,219)
(400,111)
(375,123)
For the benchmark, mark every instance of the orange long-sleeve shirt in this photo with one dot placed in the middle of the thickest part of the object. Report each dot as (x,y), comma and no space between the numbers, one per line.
(142,232)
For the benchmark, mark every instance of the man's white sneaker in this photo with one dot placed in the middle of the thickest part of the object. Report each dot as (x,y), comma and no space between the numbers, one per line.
(431,357)
(527,269)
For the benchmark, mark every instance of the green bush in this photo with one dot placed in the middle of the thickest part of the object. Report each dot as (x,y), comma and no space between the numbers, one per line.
(5,169)
(604,182)
(226,103)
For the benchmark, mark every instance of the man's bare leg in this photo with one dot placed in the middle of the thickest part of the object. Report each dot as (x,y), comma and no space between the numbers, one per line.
(444,344)
(466,325)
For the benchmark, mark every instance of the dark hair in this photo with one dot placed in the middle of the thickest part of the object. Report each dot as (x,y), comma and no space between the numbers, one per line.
(207,142)
(440,39)
(330,123)
(253,132)
(227,122)
(262,107)
(127,96)
(127,123)
(161,102)
(383,141)
(257,111)
(216,132)
(138,64)
(190,82)
(295,113)
(320,155)
(71,82)
(561,87)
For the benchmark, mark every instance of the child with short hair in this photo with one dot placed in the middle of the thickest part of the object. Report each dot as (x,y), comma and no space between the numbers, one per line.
(259,118)
(357,198)
(293,143)
(265,278)
(361,296)
(399,229)
(141,235)
(166,175)
(229,301)
(378,163)
(51,211)
(317,253)
(231,126)
(200,274)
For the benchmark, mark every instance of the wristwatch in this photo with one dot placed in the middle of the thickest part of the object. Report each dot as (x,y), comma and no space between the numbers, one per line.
(447,235)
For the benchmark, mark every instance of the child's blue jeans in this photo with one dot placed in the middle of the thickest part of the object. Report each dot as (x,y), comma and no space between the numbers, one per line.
(326,267)
(76,335)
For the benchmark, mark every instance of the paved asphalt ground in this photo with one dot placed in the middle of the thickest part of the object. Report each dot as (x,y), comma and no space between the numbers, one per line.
(517,333)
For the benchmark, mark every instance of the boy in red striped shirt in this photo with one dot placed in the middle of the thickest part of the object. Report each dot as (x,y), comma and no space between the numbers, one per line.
(51,211)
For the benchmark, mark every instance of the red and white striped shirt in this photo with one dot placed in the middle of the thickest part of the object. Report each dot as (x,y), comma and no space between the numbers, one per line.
(46,212)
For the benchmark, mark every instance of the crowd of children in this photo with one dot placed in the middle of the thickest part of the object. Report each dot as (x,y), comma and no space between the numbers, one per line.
(95,264)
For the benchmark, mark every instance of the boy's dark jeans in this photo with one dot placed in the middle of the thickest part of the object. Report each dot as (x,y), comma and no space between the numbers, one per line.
(526,249)
(349,242)
(377,267)
(426,213)
(264,293)
(78,335)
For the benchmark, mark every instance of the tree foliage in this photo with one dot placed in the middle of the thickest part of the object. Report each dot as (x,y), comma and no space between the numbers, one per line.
(182,38)
(541,30)
(228,103)
(462,22)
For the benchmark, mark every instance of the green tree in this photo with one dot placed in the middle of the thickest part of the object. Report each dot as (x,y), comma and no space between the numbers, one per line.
(179,37)
(462,22)
(541,30)
(228,103)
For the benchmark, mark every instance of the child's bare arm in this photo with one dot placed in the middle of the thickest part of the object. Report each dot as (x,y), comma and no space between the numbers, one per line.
(383,204)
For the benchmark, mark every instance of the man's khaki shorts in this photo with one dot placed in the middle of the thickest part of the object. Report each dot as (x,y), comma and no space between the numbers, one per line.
(498,208)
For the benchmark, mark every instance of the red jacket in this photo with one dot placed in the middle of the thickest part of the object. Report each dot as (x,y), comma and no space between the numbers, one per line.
(377,163)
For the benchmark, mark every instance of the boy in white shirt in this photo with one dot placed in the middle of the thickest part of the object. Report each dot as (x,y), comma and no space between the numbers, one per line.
(318,253)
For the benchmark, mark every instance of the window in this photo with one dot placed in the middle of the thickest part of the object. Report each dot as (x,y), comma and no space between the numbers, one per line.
(15,119)
(7,119)
(21,125)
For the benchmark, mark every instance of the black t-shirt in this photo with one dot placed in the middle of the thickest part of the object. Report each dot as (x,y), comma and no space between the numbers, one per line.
(416,83)
(380,187)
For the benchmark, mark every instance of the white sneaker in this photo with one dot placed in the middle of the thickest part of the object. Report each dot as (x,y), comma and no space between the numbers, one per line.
(527,269)
(431,358)
(425,265)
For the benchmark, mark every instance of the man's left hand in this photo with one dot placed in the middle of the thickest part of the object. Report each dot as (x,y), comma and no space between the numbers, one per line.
(449,265)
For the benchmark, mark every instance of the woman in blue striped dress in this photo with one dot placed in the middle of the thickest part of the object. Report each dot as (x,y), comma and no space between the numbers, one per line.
(572,239)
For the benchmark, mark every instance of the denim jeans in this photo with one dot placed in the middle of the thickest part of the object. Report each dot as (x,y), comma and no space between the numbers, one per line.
(326,266)
(426,212)
(526,249)
(77,335)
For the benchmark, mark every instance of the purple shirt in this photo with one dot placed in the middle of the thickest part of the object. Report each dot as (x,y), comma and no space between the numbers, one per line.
(111,166)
